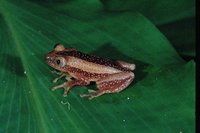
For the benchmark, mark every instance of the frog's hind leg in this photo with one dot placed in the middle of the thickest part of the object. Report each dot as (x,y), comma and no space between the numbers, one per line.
(112,84)
(69,84)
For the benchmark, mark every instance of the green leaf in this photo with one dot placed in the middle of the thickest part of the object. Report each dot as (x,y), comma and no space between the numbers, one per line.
(158,11)
(174,18)
(161,98)
(179,30)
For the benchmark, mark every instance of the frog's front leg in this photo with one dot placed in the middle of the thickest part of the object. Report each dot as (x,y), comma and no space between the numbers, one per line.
(68,77)
(111,84)
(56,79)
(56,72)
(69,84)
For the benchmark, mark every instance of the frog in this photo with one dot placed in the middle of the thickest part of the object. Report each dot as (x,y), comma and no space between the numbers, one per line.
(80,69)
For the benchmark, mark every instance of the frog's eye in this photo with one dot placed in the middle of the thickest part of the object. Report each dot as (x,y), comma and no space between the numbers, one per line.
(60,61)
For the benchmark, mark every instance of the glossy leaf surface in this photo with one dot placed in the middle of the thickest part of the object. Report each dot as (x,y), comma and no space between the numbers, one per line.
(160,99)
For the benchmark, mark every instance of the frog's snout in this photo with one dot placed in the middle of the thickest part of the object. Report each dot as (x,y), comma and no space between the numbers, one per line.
(47,57)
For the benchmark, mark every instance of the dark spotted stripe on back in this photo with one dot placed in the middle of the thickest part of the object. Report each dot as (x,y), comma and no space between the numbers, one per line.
(92,58)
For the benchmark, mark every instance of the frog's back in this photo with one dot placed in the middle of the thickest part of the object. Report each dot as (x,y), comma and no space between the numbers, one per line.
(93,59)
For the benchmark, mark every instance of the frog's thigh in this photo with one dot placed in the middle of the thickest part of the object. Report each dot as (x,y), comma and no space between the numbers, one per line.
(115,82)
(77,83)
(111,84)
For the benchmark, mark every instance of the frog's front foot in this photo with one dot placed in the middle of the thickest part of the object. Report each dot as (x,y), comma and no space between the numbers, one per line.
(59,86)
(68,85)
(66,90)
(64,85)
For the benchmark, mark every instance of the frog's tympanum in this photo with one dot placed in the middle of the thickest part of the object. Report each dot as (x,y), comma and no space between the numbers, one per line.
(80,69)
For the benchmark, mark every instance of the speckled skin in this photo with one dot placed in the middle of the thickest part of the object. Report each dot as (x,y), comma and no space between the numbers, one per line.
(110,76)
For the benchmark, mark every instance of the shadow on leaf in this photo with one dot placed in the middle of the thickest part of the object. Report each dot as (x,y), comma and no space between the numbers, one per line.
(109,51)
(13,64)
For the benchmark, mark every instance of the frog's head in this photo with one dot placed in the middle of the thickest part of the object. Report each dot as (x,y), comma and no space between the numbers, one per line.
(56,60)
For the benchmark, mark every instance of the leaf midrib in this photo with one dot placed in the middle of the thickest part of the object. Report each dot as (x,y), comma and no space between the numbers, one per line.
(36,100)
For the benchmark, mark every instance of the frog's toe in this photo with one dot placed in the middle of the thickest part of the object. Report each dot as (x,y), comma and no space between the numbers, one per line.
(53,89)
(66,90)
(64,95)
(59,86)
(55,80)
(91,91)
(91,97)
(85,95)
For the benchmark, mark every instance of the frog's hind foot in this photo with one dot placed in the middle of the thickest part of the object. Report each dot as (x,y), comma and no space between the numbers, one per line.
(94,94)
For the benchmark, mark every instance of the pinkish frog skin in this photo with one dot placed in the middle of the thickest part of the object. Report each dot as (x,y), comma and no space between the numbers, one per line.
(110,76)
